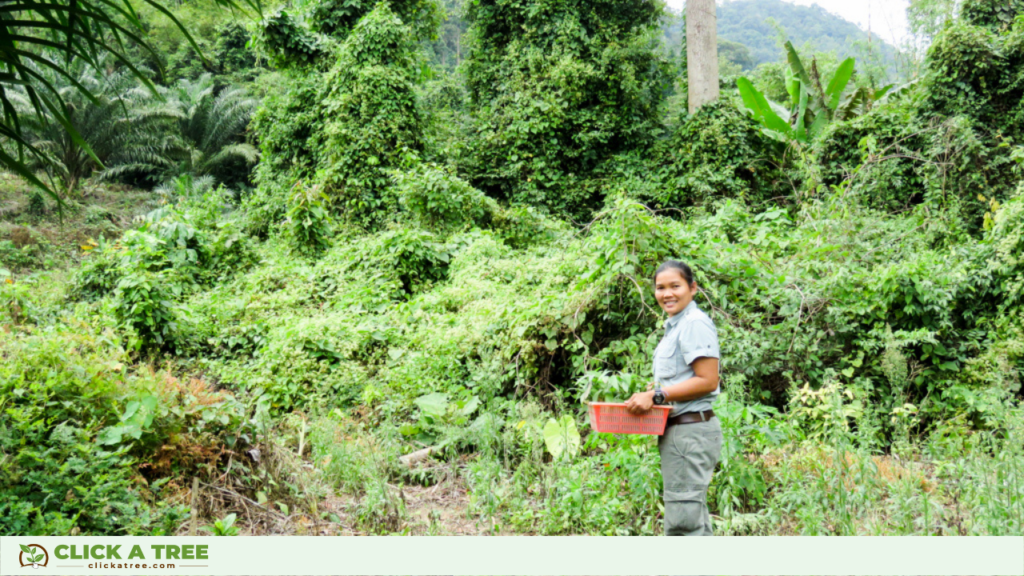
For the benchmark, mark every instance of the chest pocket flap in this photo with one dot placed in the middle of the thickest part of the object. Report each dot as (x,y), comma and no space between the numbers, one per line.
(666,360)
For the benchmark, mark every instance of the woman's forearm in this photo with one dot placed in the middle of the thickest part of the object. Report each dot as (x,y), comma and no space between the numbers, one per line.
(691,388)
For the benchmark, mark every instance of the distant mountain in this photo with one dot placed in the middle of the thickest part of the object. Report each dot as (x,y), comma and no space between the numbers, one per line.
(749,23)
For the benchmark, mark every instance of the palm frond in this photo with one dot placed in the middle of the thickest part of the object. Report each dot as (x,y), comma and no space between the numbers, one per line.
(88,29)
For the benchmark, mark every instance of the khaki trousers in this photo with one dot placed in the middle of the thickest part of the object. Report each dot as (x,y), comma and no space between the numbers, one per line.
(689,453)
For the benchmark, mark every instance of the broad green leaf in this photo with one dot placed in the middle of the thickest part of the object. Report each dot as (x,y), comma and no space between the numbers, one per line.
(435,403)
(762,111)
(792,87)
(131,409)
(110,435)
(839,81)
(561,437)
(796,65)
(820,121)
(801,118)
(486,421)
(852,104)
(471,405)
(26,549)
(747,91)
(815,102)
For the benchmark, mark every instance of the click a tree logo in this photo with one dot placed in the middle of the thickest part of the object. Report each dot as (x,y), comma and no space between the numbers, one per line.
(33,555)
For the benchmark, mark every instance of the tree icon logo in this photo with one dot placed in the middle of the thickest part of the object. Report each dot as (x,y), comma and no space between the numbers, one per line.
(33,555)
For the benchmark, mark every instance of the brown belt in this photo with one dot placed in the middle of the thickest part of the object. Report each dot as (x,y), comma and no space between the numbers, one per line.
(690,417)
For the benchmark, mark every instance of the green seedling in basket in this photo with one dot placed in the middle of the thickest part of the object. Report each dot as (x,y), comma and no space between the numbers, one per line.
(607,386)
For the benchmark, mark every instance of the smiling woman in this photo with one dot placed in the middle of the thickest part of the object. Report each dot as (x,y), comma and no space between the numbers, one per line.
(686,376)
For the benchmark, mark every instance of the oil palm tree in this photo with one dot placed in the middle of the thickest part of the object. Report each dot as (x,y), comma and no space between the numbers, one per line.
(211,127)
(120,125)
(30,32)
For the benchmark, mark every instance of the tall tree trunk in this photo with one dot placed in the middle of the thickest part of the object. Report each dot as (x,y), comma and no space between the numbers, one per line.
(701,52)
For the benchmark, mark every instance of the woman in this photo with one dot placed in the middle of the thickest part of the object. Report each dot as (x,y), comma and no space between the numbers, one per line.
(686,377)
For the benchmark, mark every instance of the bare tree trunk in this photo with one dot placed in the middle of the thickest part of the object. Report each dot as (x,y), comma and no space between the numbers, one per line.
(701,52)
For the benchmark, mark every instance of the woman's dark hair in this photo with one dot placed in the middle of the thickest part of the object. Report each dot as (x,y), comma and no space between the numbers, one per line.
(682,268)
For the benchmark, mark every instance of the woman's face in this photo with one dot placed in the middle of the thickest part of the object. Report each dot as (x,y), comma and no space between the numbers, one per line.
(672,292)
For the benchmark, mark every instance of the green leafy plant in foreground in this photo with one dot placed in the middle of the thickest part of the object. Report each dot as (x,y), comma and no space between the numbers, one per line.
(223,527)
(561,437)
(812,106)
(308,224)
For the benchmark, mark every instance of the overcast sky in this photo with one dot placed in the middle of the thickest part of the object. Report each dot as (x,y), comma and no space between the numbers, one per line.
(888,17)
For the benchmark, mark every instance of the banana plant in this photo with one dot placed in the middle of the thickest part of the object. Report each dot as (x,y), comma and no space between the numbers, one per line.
(812,104)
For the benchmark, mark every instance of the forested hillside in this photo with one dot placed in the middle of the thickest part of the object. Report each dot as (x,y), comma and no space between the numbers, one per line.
(357,267)
(757,25)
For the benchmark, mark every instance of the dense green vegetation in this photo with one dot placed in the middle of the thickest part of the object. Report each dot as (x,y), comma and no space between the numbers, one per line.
(333,245)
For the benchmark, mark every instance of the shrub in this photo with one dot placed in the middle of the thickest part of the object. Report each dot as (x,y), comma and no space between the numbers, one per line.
(965,70)
(521,226)
(345,129)
(976,71)
(60,389)
(172,252)
(308,225)
(144,302)
(285,123)
(993,14)
(286,42)
(413,257)
(890,132)
(98,275)
(372,118)
(716,152)
(442,201)
(556,88)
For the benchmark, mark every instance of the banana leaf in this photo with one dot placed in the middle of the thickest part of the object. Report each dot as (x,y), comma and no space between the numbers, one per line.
(839,81)
(760,109)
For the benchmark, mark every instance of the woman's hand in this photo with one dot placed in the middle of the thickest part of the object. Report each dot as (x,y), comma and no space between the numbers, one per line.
(640,402)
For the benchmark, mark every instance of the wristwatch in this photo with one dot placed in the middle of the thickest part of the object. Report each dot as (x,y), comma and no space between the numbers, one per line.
(659,396)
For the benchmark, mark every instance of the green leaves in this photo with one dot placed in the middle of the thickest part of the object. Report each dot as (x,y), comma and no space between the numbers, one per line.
(226,525)
(137,418)
(440,200)
(549,106)
(561,437)
(759,108)
(309,225)
(438,405)
(838,84)
(434,404)
(813,107)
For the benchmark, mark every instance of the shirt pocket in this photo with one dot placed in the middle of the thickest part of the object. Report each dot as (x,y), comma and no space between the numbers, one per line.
(666,361)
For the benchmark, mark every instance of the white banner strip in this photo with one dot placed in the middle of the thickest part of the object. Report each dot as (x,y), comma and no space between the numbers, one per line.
(508,555)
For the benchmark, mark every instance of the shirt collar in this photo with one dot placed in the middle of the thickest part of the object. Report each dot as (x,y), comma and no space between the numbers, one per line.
(673,320)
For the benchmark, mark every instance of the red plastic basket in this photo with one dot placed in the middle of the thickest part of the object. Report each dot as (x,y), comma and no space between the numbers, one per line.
(614,418)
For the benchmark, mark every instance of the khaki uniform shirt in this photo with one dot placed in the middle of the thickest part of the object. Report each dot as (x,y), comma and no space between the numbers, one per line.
(689,335)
